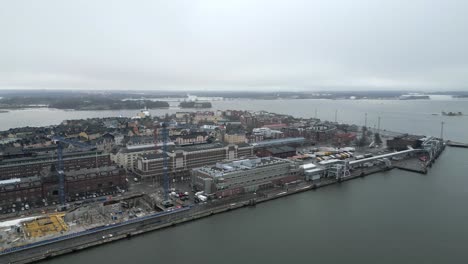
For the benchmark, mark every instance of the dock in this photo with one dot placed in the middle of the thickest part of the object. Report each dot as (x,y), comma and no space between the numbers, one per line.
(411,165)
(98,236)
(72,242)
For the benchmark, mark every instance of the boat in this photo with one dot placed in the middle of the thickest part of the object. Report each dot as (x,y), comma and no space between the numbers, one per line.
(452,113)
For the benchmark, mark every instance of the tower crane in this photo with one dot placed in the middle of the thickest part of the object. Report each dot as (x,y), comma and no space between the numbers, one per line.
(164,136)
(60,141)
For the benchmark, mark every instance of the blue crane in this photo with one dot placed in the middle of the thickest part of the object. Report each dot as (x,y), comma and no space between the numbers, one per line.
(164,135)
(165,162)
(59,141)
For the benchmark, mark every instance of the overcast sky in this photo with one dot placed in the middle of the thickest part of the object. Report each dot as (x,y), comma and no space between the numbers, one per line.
(222,44)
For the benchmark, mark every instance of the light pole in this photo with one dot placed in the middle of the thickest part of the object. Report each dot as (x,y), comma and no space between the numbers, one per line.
(365,120)
(378,125)
(442,130)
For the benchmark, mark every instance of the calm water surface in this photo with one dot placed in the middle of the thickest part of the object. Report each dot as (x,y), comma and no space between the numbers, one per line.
(392,217)
(418,116)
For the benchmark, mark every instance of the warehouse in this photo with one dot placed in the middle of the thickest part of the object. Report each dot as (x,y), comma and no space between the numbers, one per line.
(402,142)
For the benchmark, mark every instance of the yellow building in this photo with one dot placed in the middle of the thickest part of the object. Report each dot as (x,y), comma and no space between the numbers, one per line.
(234,138)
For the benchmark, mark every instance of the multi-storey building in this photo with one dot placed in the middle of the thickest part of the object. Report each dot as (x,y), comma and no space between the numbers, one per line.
(126,156)
(77,183)
(182,159)
(248,175)
(33,166)
(234,138)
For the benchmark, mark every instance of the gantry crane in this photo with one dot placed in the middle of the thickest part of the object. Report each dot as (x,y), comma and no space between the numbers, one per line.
(59,141)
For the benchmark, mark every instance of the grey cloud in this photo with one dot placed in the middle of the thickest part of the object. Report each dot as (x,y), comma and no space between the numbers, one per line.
(360,44)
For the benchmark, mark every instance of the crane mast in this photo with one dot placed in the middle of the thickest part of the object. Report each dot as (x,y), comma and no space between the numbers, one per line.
(60,173)
(164,135)
(60,167)
(165,162)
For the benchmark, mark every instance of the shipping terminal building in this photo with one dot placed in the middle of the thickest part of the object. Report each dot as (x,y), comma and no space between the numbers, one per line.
(246,175)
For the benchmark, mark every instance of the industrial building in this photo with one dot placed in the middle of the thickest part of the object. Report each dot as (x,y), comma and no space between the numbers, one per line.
(234,138)
(299,141)
(267,132)
(278,152)
(126,156)
(312,172)
(247,175)
(402,142)
(77,183)
(33,166)
(182,159)
(321,132)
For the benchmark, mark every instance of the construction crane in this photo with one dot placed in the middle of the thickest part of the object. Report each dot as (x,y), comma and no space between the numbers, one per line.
(164,136)
(60,141)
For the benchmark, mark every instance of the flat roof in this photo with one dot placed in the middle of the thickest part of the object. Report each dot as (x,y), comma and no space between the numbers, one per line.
(308,166)
(10,181)
(50,157)
(196,147)
(278,141)
(225,168)
(325,162)
(143,146)
(314,170)
(91,170)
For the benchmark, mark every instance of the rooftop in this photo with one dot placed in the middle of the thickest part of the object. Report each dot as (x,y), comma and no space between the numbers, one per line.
(225,168)
(280,141)
(409,137)
(91,171)
(136,148)
(16,181)
(10,181)
(281,149)
(151,156)
(204,146)
(50,157)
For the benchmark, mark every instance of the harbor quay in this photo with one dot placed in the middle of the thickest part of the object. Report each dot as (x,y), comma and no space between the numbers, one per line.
(69,196)
(170,218)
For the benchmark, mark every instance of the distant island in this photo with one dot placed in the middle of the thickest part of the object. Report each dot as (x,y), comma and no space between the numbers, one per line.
(79,103)
(195,105)
(414,97)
